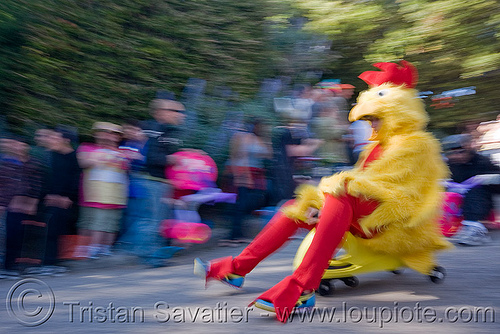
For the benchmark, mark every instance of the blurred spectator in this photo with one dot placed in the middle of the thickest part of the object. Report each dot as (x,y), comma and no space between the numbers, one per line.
(319,97)
(42,141)
(20,184)
(328,127)
(342,100)
(41,152)
(104,189)
(133,142)
(248,152)
(62,190)
(489,142)
(163,140)
(359,134)
(288,143)
(471,128)
(133,145)
(465,163)
(226,178)
(4,143)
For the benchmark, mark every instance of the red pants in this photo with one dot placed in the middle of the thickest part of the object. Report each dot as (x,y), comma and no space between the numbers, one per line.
(337,217)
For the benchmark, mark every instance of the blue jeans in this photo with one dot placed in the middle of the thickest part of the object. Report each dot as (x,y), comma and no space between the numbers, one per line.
(133,213)
(148,212)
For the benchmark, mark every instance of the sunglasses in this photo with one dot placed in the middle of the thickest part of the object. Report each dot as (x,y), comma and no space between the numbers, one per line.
(171,110)
(456,151)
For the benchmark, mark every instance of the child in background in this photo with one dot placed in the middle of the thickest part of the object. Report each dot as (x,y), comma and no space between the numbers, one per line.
(133,146)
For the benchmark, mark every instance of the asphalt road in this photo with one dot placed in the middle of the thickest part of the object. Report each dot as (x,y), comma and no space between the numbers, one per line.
(119,296)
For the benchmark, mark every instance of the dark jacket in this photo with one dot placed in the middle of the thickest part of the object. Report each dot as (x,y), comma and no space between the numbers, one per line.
(283,184)
(476,166)
(478,202)
(163,140)
(64,175)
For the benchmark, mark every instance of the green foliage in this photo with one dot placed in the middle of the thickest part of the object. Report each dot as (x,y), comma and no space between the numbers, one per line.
(454,44)
(75,61)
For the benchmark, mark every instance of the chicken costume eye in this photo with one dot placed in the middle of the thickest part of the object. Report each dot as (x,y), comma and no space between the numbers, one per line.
(383,92)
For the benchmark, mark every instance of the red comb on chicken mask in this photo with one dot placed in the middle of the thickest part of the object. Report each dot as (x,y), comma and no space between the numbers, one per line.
(403,74)
(392,100)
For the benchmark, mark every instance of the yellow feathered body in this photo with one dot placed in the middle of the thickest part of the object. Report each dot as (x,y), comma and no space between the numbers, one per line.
(405,180)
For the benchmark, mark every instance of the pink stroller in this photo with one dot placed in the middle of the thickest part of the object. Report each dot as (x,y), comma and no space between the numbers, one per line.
(452,222)
(193,178)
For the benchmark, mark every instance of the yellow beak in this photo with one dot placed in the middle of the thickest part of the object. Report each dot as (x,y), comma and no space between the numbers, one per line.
(358,111)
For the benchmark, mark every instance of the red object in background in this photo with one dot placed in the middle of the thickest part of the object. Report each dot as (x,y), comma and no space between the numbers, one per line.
(493,222)
(442,102)
(193,171)
(68,245)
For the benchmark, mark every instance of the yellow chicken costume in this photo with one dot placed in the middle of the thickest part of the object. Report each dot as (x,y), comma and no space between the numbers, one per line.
(405,180)
(391,199)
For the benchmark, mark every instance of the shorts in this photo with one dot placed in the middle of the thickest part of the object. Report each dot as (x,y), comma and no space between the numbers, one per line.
(103,220)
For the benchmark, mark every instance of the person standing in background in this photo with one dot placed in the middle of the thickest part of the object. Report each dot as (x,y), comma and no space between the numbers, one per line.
(62,191)
(133,145)
(163,135)
(342,100)
(464,163)
(20,186)
(104,189)
(290,142)
(328,126)
(248,152)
